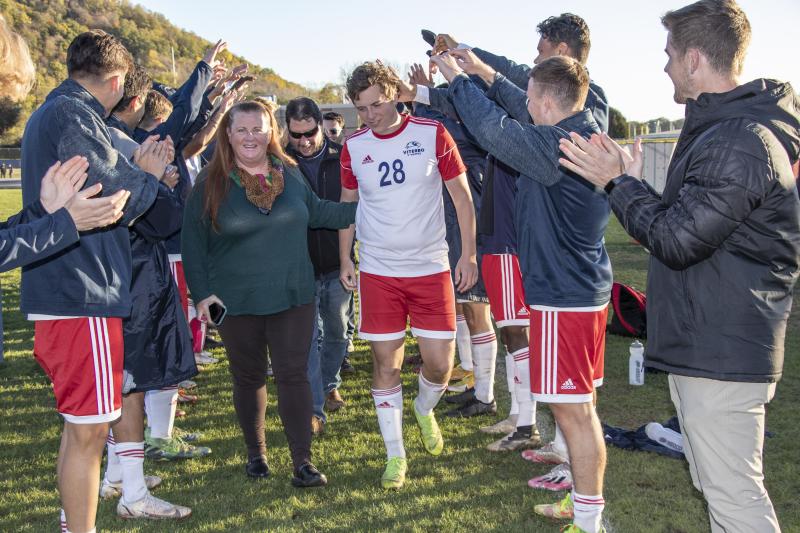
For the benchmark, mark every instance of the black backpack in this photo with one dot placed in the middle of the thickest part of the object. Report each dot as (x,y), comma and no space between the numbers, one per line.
(630,318)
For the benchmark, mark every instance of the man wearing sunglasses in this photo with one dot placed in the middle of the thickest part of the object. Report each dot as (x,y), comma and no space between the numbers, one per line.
(333,124)
(318,159)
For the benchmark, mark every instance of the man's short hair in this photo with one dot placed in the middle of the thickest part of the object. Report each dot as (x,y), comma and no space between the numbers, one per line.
(563,78)
(570,29)
(333,115)
(137,84)
(718,28)
(157,107)
(372,73)
(95,53)
(302,108)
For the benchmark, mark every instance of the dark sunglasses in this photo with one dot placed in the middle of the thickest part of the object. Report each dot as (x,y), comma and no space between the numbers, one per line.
(307,134)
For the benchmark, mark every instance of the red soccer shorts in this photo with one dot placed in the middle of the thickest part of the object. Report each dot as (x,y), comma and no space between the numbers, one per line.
(386,303)
(567,348)
(503,281)
(176,267)
(83,358)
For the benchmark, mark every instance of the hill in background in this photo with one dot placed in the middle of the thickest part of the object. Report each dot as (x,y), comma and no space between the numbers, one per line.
(50,25)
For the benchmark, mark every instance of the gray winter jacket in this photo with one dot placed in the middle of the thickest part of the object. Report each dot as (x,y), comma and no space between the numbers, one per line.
(724,236)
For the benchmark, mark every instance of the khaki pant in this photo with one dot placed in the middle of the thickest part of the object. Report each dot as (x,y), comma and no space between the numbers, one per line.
(723,428)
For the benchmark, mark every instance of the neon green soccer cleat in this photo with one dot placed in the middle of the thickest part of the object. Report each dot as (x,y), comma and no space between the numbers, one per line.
(561,510)
(394,477)
(430,433)
(572,528)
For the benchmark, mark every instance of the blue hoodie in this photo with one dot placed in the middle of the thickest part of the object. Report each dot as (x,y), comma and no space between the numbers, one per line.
(560,217)
(93,277)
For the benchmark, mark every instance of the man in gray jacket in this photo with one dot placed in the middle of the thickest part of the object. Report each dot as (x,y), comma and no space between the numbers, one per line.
(724,238)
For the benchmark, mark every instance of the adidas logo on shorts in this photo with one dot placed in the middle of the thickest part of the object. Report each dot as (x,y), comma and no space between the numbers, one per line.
(366,160)
(384,405)
(568,385)
(523,311)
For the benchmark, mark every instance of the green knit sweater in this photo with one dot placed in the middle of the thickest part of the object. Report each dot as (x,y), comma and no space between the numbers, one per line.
(257,264)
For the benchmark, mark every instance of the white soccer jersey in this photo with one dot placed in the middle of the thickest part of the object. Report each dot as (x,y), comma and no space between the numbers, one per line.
(400,218)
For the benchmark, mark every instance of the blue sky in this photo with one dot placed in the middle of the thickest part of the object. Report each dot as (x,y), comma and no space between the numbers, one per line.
(312,41)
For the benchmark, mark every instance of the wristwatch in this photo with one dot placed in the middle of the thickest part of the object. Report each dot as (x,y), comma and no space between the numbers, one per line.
(611,184)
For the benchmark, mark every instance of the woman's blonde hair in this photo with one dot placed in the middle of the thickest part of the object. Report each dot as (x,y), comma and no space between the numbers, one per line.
(17,72)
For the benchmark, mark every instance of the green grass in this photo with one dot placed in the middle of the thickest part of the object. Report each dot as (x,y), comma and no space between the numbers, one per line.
(467,488)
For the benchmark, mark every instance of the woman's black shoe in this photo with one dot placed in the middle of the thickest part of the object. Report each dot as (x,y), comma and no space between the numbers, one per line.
(257,467)
(307,475)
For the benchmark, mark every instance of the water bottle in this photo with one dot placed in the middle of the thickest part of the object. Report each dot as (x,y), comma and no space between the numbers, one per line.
(636,364)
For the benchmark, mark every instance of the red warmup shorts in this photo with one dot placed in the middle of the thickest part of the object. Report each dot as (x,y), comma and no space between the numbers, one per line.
(386,303)
(83,358)
(567,349)
(176,267)
(503,281)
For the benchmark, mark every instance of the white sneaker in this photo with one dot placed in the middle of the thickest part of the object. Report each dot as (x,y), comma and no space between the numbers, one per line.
(504,427)
(151,508)
(113,489)
(547,454)
(204,358)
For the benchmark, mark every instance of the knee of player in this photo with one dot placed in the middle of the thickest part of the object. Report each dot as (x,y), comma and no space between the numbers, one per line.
(86,436)
(569,415)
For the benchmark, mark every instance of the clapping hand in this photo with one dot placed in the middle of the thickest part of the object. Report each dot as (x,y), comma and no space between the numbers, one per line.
(61,182)
(600,159)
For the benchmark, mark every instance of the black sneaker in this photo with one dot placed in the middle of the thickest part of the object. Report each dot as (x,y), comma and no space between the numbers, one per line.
(347,368)
(462,397)
(307,475)
(474,407)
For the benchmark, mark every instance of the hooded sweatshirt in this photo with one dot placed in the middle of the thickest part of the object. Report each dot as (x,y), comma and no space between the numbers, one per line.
(724,236)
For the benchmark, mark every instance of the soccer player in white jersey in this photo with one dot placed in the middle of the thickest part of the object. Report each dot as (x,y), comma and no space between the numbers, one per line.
(395,168)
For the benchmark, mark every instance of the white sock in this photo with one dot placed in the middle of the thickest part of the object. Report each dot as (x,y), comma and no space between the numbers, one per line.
(428,396)
(527,406)
(63,522)
(512,386)
(484,353)
(160,408)
(131,457)
(588,511)
(463,345)
(560,444)
(389,407)
(113,469)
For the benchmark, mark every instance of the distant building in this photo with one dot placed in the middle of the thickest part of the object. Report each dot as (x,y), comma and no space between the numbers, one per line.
(657,149)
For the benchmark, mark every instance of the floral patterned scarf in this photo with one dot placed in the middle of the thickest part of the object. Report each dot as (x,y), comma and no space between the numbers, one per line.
(261,190)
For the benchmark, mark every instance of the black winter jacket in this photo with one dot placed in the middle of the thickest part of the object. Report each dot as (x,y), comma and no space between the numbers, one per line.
(323,244)
(724,236)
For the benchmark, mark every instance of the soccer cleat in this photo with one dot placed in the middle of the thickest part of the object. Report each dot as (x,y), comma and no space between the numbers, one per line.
(561,510)
(504,427)
(572,528)
(187,384)
(459,373)
(173,449)
(152,508)
(472,408)
(461,398)
(462,385)
(514,441)
(186,397)
(547,454)
(559,478)
(394,476)
(429,432)
(186,436)
(204,358)
(113,489)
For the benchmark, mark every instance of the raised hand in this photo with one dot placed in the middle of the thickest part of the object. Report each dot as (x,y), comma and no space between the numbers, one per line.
(211,53)
(89,213)
(418,76)
(444,42)
(471,64)
(447,65)
(61,182)
(600,159)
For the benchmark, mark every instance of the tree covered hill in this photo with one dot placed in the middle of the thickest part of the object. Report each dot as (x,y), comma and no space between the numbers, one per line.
(50,25)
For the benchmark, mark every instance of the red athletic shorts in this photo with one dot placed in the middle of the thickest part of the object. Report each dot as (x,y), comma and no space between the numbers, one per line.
(503,281)
(176,266)
(386,303)
(567,348)
(83,358)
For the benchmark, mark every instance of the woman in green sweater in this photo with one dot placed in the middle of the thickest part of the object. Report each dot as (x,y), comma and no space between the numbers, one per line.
(244,247)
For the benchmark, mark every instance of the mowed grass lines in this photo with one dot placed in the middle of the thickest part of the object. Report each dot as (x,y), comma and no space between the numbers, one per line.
(467,488)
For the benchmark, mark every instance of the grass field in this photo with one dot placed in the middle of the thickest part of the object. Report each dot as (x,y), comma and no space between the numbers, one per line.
(465,489)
